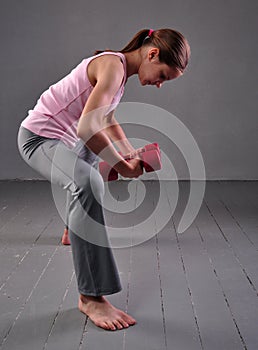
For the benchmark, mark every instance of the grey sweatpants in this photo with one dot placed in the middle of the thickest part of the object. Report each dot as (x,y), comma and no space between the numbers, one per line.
(75,171)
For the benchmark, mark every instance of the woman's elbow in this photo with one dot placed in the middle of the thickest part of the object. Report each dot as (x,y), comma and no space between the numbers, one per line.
(84,133)
(87,128)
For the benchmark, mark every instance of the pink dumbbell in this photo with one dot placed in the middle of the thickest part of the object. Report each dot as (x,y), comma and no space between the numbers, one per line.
(150,156)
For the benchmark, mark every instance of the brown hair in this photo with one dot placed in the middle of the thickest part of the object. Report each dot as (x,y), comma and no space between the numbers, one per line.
(173,46)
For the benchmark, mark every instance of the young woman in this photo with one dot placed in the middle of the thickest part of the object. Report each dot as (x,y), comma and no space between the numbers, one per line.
(79,109)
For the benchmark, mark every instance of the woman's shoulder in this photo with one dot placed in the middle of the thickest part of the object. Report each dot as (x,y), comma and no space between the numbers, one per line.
(106,64)
(109,57)
(108,61)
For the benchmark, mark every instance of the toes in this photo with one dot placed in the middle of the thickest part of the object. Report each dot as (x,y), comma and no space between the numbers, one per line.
(118,324)
(124,323)
(130,320)
(111,326)
(103,325)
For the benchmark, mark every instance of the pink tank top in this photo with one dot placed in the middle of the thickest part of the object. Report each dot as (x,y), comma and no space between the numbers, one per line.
(59,108)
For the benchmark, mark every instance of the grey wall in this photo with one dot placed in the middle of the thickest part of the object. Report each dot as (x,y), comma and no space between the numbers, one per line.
(216,99)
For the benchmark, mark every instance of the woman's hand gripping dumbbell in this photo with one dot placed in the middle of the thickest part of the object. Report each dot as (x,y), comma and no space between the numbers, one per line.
(150,160)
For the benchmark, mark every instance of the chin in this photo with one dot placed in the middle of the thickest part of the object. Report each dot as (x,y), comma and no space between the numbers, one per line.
(142,82)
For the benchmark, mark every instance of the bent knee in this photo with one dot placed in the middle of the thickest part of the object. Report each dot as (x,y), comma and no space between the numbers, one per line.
(96,184)
(90,183)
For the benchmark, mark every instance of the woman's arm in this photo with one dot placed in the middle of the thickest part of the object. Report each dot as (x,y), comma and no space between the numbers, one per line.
(108,74)
(117,135)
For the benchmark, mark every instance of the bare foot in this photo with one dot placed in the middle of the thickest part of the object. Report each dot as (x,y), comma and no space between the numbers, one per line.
(103,314)
(65,238)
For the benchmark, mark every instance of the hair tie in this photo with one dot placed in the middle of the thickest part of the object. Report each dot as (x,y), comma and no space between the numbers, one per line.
(150,32)
(149,35)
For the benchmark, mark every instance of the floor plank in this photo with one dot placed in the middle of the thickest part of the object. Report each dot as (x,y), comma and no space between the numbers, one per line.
(239,294)
(181,327)
(35,319)
(67,318)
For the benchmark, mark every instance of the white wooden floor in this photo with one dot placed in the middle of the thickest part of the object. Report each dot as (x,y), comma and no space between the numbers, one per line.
(196,290)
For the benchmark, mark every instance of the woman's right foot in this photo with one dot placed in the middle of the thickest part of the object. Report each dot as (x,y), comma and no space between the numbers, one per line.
(65,237)
(103,314)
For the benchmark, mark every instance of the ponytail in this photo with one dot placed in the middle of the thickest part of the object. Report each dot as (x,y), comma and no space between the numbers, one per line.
(137,41)
(134,44)
(173,46)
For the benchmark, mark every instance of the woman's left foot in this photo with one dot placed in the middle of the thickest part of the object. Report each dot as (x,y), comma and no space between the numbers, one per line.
(65,238)
(103,314)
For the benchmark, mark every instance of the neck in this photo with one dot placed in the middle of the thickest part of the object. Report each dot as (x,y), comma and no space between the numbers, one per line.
(133,61)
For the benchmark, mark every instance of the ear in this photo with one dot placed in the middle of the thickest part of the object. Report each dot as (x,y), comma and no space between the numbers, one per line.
(153,54)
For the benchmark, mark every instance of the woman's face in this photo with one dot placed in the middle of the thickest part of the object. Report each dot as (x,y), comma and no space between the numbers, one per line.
(152,72)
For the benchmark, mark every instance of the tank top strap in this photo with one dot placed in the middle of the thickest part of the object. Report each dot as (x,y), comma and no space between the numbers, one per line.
(115,53)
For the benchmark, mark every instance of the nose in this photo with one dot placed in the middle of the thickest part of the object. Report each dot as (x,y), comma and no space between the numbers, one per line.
(158,84)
